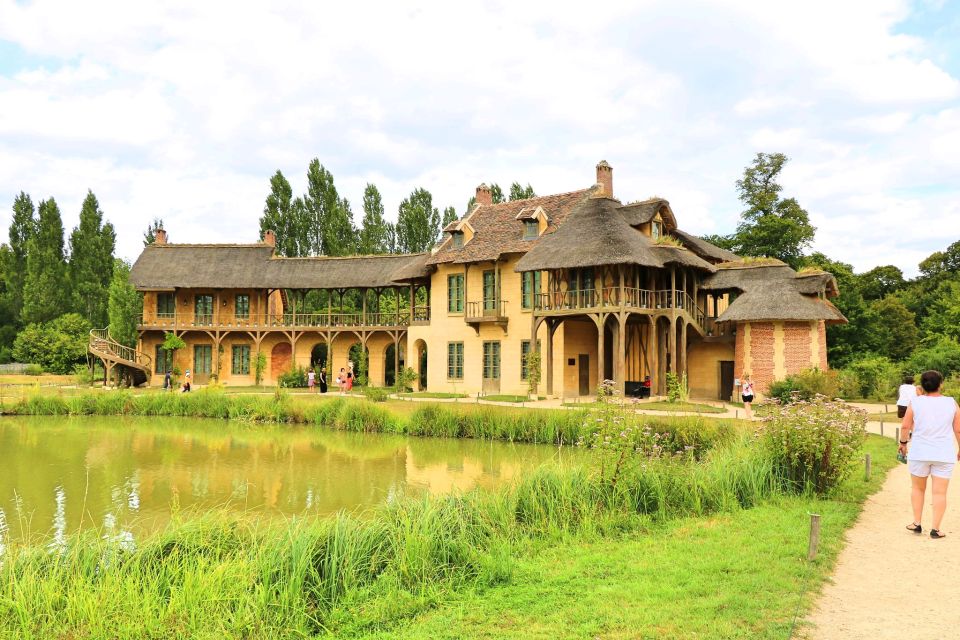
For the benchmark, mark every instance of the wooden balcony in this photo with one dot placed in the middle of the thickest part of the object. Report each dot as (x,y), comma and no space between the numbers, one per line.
(577,301)
(486,311)
(285,321)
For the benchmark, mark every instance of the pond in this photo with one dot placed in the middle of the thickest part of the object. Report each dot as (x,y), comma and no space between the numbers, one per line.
(126,477)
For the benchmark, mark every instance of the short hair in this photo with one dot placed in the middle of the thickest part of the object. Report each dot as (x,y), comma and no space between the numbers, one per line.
(907,379)
(931,380)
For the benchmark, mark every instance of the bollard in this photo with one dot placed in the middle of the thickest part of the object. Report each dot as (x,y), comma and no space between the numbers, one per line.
(814,537)
(866,468)
(881,426)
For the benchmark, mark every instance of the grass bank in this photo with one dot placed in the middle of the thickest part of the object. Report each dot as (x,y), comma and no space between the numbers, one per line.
(658,405)
(356,414)
(706,549)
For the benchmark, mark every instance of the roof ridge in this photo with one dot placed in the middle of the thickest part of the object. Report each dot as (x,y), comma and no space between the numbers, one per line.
(209,245)
(352,257)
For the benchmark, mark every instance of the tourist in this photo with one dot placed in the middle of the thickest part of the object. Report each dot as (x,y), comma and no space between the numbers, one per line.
(311,380)
(323,379)
(934,423)
(746,392)
(342,380)
(186,382)
(167,383)
(907,392)
(349,383)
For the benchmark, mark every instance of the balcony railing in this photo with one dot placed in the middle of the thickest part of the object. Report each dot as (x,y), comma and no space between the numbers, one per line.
(610,297)
(402,318)
(486,311)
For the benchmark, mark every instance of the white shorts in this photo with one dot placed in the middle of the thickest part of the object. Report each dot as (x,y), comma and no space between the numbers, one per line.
(924,468)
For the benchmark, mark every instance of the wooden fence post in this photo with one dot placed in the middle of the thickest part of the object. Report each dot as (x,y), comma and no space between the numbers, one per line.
(866,469)
(814,537)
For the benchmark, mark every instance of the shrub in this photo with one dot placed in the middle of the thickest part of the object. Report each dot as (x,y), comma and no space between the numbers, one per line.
(805,386)
(942,355)
(82,375)
(296,378)
(259,367)
(812,442)
(33,370)
(406,379)
(376,394)
(56,345)
(678,390)
(877,377)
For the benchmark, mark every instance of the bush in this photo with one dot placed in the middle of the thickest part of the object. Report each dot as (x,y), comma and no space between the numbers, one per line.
(296,378)
(406,379)
(33,370)
(805,386)
(82,375)
(812,442)
(375,394)
(942,355)
(678,390)
(56,345)
(876,377)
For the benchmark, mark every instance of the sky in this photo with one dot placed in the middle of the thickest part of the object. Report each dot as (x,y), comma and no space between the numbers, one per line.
(183,110)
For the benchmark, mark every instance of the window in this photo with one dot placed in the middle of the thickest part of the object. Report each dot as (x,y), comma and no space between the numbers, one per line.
(531,229)
(241,360)
(202,359)
(529,288)
(166,305)
(163,360)
(491,360)
(455,293)
(524,352)
(656,229)
(457,239)
(490,291)
(455,360)
(242,308)
(203,309)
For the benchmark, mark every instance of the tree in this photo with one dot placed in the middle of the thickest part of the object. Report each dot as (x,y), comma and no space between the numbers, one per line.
(328,218)
(339,234)
(23,228)
(150,235)
(91,262)
(374,235)
(521,193)
(496,193)
(449,215)
(846,342)
(880,282)
(770,225)
(125,305)
(45,282)
(284,218)
(894,328)
(418,222)
(57,346)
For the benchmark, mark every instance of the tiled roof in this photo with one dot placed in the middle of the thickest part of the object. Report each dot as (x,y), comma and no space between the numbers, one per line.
(497,230)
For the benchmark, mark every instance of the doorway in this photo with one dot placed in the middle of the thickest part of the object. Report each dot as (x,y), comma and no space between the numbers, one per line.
(583,363)
(726,380)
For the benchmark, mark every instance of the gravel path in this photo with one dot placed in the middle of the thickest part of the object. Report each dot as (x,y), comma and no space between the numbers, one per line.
(890,583)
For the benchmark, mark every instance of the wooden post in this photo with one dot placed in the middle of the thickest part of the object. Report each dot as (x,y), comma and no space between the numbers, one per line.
(866,468)
(814,537)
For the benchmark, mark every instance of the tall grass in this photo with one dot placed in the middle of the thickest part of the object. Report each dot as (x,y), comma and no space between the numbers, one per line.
(227,578)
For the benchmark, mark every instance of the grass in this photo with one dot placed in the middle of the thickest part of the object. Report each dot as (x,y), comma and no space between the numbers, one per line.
(678,553)
(658,405)
(437,395)
(501,397)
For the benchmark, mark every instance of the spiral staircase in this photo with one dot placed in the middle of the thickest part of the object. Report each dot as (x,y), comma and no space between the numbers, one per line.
(132,365)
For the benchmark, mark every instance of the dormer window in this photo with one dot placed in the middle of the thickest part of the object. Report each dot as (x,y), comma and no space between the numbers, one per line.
(457,239)
(531,229)
(656,229)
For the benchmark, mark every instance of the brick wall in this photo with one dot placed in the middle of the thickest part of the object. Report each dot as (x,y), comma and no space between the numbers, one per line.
(822,338)
(761,355)
(797,346)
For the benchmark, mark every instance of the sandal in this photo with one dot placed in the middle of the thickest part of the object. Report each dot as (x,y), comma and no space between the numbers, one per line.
(915,527)
(935,534)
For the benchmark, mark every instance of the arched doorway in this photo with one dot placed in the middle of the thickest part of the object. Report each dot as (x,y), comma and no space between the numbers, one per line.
(389,360)
(421,350)
(318,355)
(358,356)
(281,359)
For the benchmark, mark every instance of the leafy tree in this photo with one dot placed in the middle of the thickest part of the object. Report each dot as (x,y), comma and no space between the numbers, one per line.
(770,225)
(521,193)
(940,353)
(449,215)
(724,242)
(470,203)
(943,314)
(496,193)
(281,216)
(23,228)
(328,218)
(45,282)
(894,328)
(374,235)
(391,238)
(125,305)
(339,235)
(150,235)
(91,262)
(56,346)
(880,282)
(940,263)
(9,318)
(418,222)
(845,342)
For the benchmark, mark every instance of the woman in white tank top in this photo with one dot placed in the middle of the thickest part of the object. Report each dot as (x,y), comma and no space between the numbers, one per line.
(933,421)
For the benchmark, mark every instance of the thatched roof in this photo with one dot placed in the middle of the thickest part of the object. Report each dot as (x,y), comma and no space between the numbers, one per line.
(497,231)
(637,213)
(702,248)
(596,233)
(771,290)
(209,266)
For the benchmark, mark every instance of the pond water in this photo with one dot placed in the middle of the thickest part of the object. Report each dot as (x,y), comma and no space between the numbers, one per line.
(127,476)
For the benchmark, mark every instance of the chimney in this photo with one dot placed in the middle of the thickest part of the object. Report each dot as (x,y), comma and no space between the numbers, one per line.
(159,236)
(483,194)
(605,178)
(270,238)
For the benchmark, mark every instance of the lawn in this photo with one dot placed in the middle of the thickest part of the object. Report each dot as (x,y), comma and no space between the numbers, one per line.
(658,405)
(437,395)
(508,398)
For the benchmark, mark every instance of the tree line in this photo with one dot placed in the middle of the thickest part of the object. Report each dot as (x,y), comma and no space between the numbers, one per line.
(321,222)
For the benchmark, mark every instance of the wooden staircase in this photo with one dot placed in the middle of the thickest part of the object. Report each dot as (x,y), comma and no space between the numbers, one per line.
(132,364)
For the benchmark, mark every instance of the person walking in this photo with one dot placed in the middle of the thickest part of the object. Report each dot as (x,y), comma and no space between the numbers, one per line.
(323,379)
(187,379)
(933,421)
(906,393)
(746,393)
(342,380)
(167,383)
(311,380)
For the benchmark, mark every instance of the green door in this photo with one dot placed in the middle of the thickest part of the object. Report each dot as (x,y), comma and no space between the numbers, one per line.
(203,310)
(489,293)
(202,363)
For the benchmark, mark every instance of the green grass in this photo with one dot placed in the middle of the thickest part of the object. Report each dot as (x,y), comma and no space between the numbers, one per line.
(438,395)
(657,405)
(498,397)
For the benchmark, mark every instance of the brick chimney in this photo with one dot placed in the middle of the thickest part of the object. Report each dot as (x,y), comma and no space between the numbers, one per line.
(605,178)
(483,194)
(270,238)
(159,236)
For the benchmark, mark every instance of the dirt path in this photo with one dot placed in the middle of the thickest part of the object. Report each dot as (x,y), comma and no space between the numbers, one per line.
(890,583)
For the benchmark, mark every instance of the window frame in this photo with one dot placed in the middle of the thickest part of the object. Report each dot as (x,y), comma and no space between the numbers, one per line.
(166,300)
(530,283)
(491,359)
(209,363)
(455,360)
(531,229)
(525,350)
(455,297)
(162,356)
(457,237)
(246,306)
(244,351)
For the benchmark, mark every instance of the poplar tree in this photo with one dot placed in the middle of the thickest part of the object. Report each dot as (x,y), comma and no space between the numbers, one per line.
(125,305)
(518,192)
(329,220)
(449,215)
(45,282)
(374,235)
(150,235)
(418,222)
(91,262)
(496,193)
(281,216)
(23,228)
(339,234)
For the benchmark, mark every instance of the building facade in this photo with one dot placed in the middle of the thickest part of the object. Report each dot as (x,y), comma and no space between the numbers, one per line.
(603,290)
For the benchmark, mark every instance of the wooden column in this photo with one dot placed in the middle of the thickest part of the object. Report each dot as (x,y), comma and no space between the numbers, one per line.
(683,347)
(600,353)
(551,328)
(363,317)
(620,364)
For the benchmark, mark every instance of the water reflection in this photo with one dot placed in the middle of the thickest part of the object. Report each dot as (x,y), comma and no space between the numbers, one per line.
(126,476)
